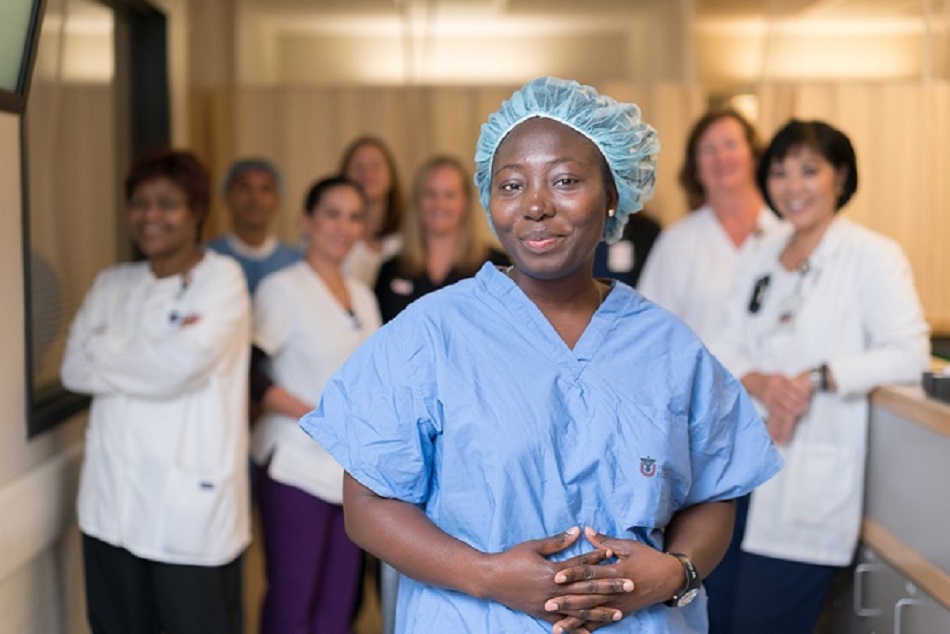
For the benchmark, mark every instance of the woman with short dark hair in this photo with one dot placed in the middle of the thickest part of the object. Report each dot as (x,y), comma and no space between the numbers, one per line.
(826,313)
(162,346)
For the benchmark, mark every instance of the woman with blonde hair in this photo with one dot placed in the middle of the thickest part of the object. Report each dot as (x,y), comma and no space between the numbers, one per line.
(442,238)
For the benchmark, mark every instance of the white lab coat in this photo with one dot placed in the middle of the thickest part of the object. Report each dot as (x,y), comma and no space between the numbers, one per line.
(856,309)
(692,267)
(165,469)
(308,336)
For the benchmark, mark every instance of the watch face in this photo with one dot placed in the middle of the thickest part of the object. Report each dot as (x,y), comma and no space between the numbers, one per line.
(687,598)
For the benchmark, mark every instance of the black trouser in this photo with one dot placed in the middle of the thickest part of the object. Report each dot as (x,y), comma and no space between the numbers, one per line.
(126,594)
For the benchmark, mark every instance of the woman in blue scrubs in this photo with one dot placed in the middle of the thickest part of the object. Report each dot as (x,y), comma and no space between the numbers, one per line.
(535,449)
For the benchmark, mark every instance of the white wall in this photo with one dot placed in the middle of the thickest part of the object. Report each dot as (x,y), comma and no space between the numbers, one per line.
(40,583)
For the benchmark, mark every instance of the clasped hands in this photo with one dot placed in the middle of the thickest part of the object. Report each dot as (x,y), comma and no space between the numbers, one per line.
(786,398)
(583,593)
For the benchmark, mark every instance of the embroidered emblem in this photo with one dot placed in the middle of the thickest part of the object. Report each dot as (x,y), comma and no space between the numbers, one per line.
(648,466)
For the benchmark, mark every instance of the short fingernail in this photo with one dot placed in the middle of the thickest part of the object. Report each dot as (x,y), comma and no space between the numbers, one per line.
(550,606)
(617,616)
(627,585)
(560,577)
(558,629)
(573,531)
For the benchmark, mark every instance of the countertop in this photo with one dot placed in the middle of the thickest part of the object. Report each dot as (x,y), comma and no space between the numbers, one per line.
(906,499)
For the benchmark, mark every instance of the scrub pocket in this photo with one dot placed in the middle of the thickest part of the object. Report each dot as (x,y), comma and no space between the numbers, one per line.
(199,510)
(647,480)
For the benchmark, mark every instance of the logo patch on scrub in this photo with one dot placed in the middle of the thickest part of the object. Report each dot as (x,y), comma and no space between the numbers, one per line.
(648,466)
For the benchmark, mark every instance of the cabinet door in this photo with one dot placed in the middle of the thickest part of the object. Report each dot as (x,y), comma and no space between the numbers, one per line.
(918,613)
(867,606)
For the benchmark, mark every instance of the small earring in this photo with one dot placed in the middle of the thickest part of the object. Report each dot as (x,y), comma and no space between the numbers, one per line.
(611,213)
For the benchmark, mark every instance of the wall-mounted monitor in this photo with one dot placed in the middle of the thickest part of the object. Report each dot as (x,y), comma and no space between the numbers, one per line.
(20,22)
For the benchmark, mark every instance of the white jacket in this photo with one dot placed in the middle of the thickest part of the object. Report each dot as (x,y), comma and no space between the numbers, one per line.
(692,267)
(856,309)
(165,360)
(308,336)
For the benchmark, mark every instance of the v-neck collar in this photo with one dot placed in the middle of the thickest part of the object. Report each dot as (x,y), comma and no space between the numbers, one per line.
(528,319)
(321,287)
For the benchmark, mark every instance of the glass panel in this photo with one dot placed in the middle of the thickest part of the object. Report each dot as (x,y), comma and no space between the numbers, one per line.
(71,134)
(15,17)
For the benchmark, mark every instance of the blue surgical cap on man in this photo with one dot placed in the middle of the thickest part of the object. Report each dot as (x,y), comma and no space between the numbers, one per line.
(627,143)
(252,163)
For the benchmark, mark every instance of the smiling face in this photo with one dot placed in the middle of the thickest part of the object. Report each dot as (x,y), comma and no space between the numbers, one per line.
(334,225)
(253,199)
(804,188)
(443,202)
(368,168)
(724,158)
(161,224)
(549,199)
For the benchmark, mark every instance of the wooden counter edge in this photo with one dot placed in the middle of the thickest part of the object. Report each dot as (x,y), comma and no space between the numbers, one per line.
(912,404)
(908,561)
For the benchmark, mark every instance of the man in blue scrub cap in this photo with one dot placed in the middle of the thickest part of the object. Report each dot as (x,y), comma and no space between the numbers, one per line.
(252,189)
(535,449)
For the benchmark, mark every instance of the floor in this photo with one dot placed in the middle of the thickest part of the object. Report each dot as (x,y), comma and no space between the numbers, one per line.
(368,621)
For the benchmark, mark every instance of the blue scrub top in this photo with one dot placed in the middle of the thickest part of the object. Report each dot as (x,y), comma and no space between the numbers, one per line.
(256,268)
(472,406)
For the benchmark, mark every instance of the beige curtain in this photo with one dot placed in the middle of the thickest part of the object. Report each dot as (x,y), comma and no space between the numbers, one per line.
(74,225)
(900,133)
(305,129)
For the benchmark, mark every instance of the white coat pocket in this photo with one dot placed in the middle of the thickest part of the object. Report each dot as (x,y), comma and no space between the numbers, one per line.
(200,510)
(823,482)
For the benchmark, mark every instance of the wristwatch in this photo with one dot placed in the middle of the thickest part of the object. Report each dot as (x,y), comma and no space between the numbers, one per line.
(690,589)
(819,378)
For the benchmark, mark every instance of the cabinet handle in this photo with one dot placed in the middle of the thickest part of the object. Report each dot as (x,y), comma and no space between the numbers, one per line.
(899,609)
(859,571)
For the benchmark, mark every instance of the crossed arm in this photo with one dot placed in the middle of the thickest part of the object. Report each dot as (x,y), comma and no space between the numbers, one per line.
(576,595)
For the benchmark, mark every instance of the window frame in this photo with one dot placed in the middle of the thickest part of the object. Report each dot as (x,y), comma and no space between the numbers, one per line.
(141,78)
(15,100)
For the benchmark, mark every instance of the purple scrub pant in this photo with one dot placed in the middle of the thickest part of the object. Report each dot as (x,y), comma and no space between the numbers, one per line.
(313,569)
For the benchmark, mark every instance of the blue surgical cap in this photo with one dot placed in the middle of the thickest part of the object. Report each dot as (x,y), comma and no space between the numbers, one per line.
(628,144)
(240,166)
